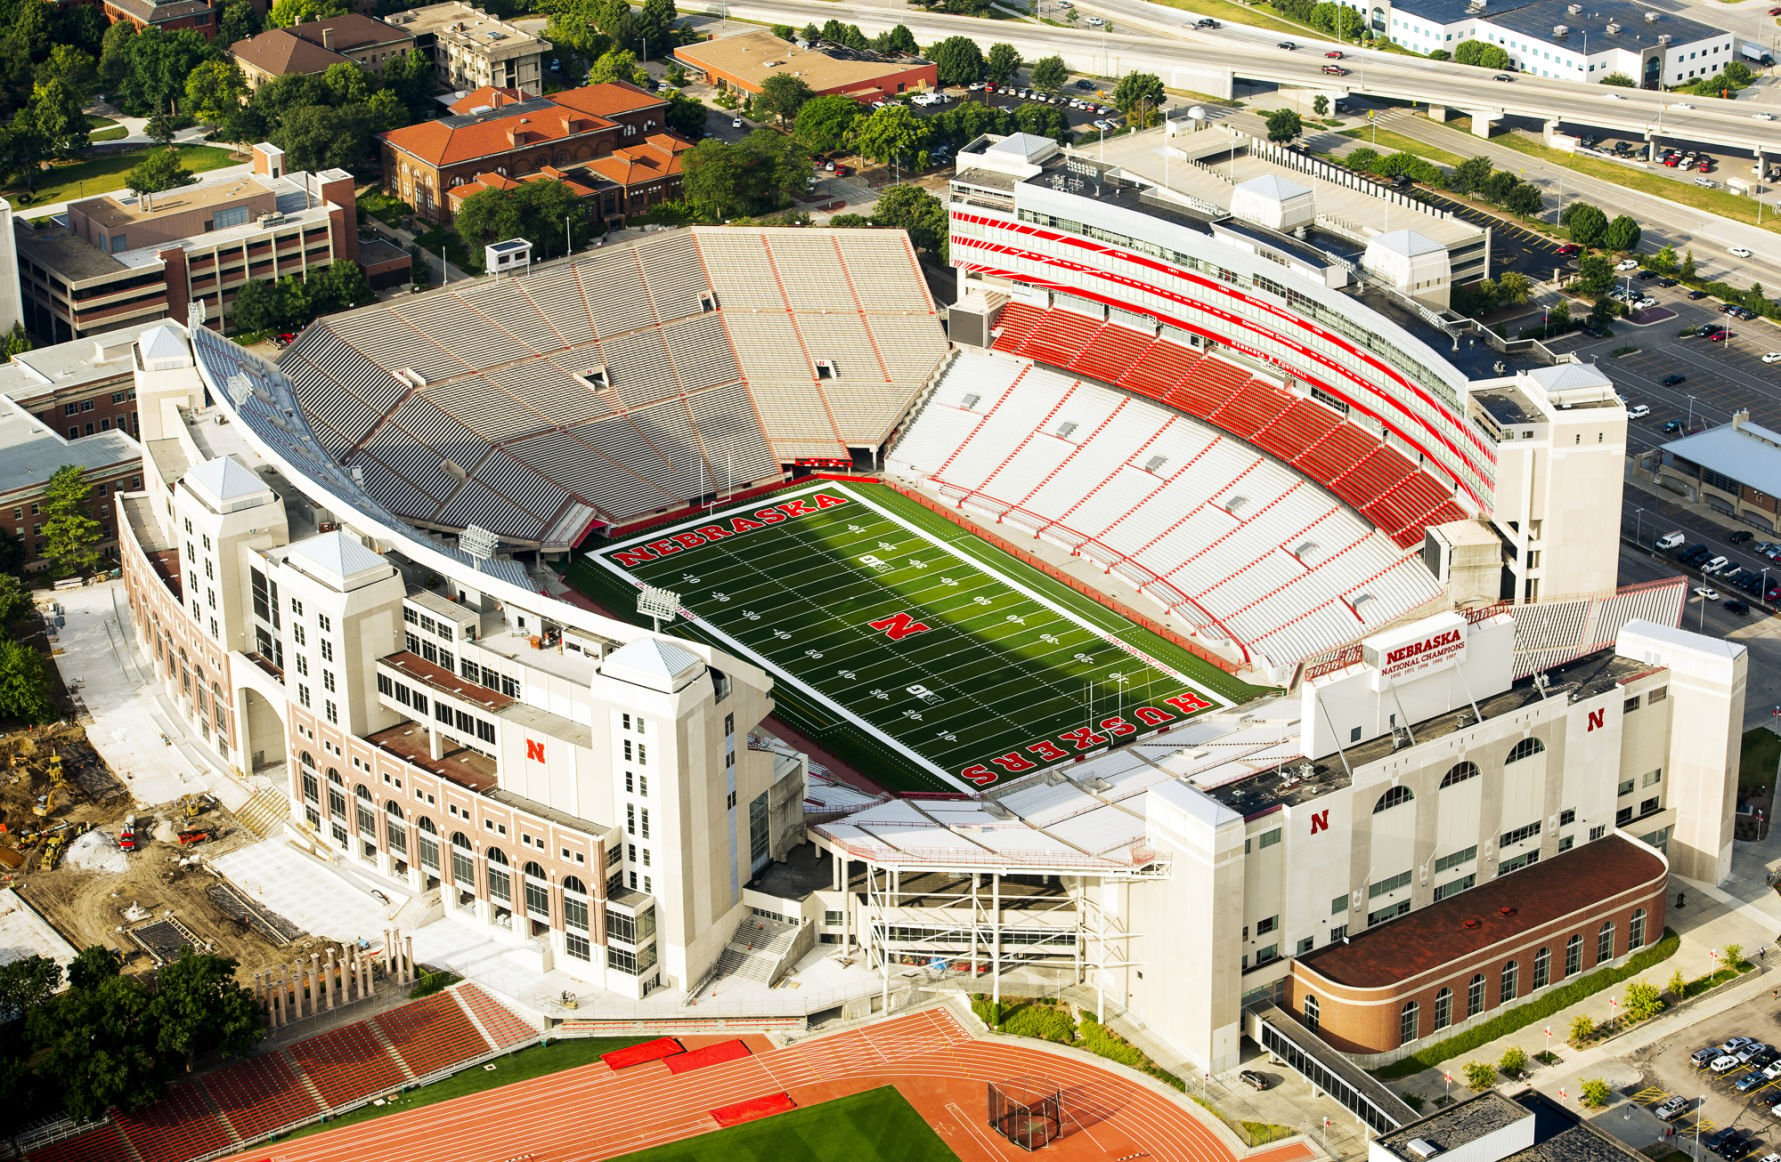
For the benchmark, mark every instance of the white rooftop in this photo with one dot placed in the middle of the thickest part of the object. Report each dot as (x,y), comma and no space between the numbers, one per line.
(1276,187)
(223,481)
(30,453)
(1407,242)
(654,662)
(1562,377)
(336,557)
(164,348)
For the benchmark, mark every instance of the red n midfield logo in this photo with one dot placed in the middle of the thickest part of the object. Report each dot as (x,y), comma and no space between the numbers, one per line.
(1596,718)
(1320,821)
(898,626)
(534,751)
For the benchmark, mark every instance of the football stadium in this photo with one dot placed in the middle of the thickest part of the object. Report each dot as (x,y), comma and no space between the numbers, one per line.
(1185,620)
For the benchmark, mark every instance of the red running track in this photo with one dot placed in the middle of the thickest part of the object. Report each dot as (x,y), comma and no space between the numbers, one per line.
(591,1112)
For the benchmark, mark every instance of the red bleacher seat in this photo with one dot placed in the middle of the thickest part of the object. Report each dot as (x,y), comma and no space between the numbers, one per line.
(102,1143)
(1015,322)
(1254,407)
(503,1027)
(1404,506)
(1377,473)
(1060,337)
(260,1094)
(1159,369)
(1112,353)
(1338,452)
(1208,387)
(1297,428)
(179,1126)
(432,1034)
(347,1063)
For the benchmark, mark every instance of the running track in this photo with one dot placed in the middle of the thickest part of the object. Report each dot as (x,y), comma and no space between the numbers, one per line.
(591,1112)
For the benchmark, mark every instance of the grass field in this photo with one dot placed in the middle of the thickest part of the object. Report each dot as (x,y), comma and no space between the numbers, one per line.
(1385,141)
(875,1126)
(938,661)
(85,179)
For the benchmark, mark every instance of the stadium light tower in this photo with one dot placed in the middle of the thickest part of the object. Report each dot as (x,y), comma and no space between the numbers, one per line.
(657,603)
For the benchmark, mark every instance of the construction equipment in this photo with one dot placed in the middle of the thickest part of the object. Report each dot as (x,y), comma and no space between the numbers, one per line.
(192,806)
(193,836)
(51,851)
(44,804)
(127,839)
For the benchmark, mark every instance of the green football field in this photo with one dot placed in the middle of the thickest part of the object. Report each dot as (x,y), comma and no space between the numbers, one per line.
(875,1126)
(951,665)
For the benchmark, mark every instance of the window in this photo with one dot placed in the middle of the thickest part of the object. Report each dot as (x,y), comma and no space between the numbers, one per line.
(576,945)
(1459,774)
(1626,787)
(1542,968)
(1635,930)
(1475,995)
(327,649)
(537,892)
(1526,748)
(1574,955)
(1597,831)
(1630,705)
(575,903)
(1266,925)
(1604,942)
(1652,778)
(1310,1008)
(1269,838)
(1339,905)
(1509,986)
(1454,859)
(1657,695)
(1389,912)
(1527,831)
(1389,884)
(1307,944)
(1408,1022)
(1443,1008)
(1567,817)
(500,878)
(1396,796)
(1454,887)
(1267,955)
(1516,863)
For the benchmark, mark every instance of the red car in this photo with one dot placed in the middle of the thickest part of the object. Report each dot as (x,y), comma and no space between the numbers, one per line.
(1570,248)
(1775,12)
(1334,54)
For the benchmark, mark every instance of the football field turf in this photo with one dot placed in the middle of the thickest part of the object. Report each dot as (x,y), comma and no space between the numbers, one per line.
(954,665)
(875,1126)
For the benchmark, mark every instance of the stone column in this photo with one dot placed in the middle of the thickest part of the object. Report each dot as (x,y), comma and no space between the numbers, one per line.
(408,958)
(297,989)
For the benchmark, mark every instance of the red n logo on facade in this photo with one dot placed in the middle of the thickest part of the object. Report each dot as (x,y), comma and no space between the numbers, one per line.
(1596,718)
(534,751)
(1320,821)
(898,626)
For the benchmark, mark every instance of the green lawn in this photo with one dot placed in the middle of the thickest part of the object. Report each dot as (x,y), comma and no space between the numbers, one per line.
(1756,763)
(994,669)
(104,129)
(521,1066)
(875,1126)
(84,179)
(1385,141)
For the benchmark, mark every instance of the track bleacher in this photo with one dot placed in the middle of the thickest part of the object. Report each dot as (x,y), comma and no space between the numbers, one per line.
(500,1023)
(179,1126)
(1235,543)
(1375,480)
(260,1094)
(348,1063)
(432,1034)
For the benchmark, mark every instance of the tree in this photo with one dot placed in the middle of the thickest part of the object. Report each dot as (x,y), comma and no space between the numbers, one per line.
(1320,105)
(15,599)
(255,310)
(17,342)
(1484,56)
(848,221)
(1619,81)
(1584,223)
(756,175)
(825,124)
(159,63)
(1642,1002)
(1514,288)
(215,91)
(1043,121)
(1050,73)
(114,55)
(957,61)
(1479,1076)
(1365,159)
(782,95)
(289,13)
(1513,1063)
(26,984)
(1664,261)
(1525,198)
(896,39)
(686,115)
(919,213)
(1559,316)
(1582,1029)
(654,24)
(199,1008)
(538,211)
(78,70)
(1678,986)
(161,129)
(617,64)
(1733,956)
(12,554)
(1002,63)
(891,134)
(57,114)
(1595,275)
(1686,270)
(1284,125)
(318,137)
(1622,234)
(1138,95)
(159,170)
(1594,1093)
(71,537)
(93,965)
(238,22)
(95,1047)
(24,686)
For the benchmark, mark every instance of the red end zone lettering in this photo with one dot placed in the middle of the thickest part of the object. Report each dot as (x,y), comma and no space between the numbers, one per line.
(979,774)
(675,542)
(629,557)
(795,507)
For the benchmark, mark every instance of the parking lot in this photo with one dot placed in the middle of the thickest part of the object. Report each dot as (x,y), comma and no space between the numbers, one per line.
(1713,1100)
(1512,246)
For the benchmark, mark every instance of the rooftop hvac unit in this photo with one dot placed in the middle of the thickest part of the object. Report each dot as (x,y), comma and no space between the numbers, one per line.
(1663,38)
(1561,30)
(1652,18)
(1613,28)
(1574,9)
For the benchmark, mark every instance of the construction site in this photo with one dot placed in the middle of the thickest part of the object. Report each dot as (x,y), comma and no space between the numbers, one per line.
(101,869)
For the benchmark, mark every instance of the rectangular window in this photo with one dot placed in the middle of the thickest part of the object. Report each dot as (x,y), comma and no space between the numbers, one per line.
(327,649)
(1653,778)
(1454,859)
(1567,817)
(1392,884)
(1520,833)
(1518,862)
(1454,887)
(1626,787)
(576,945)
(1338,905)
(1266,925)
(1269,838)
(1389,912)
(1630,705)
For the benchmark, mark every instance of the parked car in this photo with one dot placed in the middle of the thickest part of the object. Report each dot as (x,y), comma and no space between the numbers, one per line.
(1670,1110)
(1673,379)
(1253,1079)
(1749,1051)
(1733,1044)
(1740,608)
(1701,1058)
(1671,427)
(1637,412)
(1711,567)
(1627,264)
(1772,357)
(1742,536)
(1697,295)
(1750,1081)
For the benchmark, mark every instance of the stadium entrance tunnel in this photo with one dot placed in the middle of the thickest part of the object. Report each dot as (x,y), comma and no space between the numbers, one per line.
(1301,1050)
(261,733)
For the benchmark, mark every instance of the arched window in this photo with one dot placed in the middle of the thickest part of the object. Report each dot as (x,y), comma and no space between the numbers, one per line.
(1392,798)
(1526,748)
(1635,930)
(1409,1022)
(500,877)
(1604,942)
(334,777)
(463,862)
(366,811)
(428,843)
(1574,955)
(359,792)
(575,903)
(393,809)
(1443,1008)
(1542,968)
(1510,985)
(336,795)
(1311,1010)
(537,891)
(1475,995)
(393,828)
(1459,774)
(307,760)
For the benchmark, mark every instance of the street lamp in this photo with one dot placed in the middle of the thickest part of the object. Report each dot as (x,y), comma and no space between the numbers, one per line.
(1728,336)
(1639,525)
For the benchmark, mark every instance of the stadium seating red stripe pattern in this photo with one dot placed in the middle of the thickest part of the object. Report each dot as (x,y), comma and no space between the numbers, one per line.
(1060,337)
(503,1027)
(347,1063)
(710,1055)
(260,1094)
(102,1143)
(432,1034)
(754,1108)
(179,1126)
(637,1054)
(1014,324)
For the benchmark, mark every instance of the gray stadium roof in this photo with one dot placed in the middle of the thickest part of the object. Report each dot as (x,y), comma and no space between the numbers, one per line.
(1748,453)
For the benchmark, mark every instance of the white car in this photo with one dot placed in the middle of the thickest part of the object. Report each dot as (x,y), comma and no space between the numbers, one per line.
(1627,264)
(1705,183)
(1706,593)
(1764,117)
(1712,568)
(1094,21)
(1738,251)
(1721,1064)
(1637,412)
(1645,304)
(1772,357)
(1682,105)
